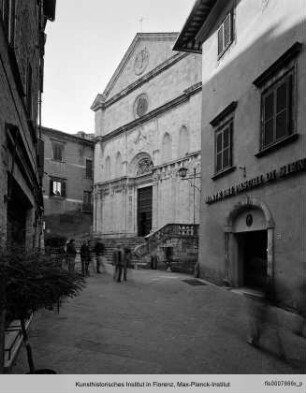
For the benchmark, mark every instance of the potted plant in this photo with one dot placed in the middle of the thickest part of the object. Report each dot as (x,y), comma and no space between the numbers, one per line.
(31,281)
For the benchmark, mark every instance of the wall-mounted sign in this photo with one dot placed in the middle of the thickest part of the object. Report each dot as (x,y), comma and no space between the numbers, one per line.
(269,177)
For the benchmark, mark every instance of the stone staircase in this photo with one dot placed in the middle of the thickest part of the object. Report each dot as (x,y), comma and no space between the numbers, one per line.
(182,239)
(111,243)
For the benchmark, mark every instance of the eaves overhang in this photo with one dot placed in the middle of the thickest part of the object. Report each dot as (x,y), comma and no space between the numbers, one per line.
(49,9)
(187,40)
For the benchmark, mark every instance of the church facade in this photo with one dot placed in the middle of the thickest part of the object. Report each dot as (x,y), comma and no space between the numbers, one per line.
(147,125)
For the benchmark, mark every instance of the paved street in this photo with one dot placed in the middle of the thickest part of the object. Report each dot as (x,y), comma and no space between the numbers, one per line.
(156,323)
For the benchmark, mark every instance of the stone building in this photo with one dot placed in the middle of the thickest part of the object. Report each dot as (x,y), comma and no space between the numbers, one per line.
(253,140)
(147,124)
(22,43)
(67,183)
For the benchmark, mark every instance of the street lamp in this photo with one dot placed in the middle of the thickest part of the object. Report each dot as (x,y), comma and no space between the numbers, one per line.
(182,172)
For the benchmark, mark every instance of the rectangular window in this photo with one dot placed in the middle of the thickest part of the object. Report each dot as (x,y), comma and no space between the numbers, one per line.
(223,147)
(58,187)
(58,150)
(277,110)
(89,171)
(225,34)
(87,197)
(87,201)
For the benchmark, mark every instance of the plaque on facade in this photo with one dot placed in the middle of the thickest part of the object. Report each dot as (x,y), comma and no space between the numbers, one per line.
(141,61)
(249,220)
(144,166)
(141,105)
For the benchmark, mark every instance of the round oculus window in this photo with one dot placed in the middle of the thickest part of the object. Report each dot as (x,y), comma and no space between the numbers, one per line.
(141,105)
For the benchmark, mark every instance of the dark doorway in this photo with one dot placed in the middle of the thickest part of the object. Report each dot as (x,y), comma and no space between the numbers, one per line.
(17,210)
(253,258)
(144,211)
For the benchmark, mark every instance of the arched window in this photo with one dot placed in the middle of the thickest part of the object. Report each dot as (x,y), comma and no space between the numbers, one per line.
(167,147)
(118,165)
(107,167)
(184,142)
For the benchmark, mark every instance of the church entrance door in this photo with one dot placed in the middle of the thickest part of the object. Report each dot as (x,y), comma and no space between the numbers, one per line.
(144,210)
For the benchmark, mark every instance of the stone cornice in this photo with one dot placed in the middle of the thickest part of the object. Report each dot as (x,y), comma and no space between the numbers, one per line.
(60,135)
(155,112)
(100,101)
(129,180)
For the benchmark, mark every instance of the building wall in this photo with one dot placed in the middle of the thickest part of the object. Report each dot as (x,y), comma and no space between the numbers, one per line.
(264,31)
(19,133)
(180,77)
(72,170)
(126,139)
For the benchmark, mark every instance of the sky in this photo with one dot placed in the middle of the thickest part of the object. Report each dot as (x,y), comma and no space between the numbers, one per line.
(86,43)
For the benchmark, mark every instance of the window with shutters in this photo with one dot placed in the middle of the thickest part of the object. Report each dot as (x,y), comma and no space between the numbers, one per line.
(223,125)
(58,151)
(278,93)
(277,111)
(57,187)
(223,147)
(226,34)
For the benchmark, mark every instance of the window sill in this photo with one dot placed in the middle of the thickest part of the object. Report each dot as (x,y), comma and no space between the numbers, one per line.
(61,161)
(223,173)
(56,197)
(283,142)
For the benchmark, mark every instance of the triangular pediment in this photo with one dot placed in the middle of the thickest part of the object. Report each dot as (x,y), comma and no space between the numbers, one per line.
(146,52)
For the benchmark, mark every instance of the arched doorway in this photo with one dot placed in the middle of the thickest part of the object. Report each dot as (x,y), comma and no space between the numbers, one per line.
(249,242)
(141,167)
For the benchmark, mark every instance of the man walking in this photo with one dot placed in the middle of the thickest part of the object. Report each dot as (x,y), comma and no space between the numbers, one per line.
(99,251)
(71,254)
(85,257)
(118,261)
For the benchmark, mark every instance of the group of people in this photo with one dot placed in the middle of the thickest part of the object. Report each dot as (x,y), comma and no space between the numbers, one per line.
(121,258)
(121,262)
(86,252)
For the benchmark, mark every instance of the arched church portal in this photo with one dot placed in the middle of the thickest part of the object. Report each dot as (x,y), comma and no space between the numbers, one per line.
(249,244)
(141,167)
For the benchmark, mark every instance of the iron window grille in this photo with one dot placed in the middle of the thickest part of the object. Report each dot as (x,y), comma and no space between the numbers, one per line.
(87,201)
(89,169)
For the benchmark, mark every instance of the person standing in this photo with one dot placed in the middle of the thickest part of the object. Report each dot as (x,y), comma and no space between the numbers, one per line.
(71,254)
(262,316)
(85,257)
(99,251)
(118,261)
(300,329)
(126,262)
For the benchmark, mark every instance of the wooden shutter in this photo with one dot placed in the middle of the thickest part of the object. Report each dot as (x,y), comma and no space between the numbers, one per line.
(220,40)
(63,189)
(227,30)
(51,187)
(268,118)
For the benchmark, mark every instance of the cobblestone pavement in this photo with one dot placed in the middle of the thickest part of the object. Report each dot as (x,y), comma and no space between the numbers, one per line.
(156,323)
